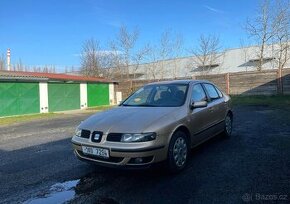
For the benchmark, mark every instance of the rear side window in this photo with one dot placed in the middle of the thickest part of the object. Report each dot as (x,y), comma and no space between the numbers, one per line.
(198,93)
(212,92)
(219,92)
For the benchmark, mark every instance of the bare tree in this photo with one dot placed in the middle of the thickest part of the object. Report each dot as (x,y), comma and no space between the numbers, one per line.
(2,62)
(124,45)
(18,66)
(281,19)
(93,58)
(262,28)
(176,53)
(138,58)
(207,54)
(153,68)
(165,54)
(165,50)
(245,50)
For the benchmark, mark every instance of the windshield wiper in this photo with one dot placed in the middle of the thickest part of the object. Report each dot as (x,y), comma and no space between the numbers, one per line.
(146,105)
(126,105)
(141,105)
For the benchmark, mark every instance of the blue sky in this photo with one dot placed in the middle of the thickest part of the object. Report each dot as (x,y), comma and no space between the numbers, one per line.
(52,31)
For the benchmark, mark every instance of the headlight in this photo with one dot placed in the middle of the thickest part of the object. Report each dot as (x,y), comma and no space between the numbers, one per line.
(78,132)
(140,137)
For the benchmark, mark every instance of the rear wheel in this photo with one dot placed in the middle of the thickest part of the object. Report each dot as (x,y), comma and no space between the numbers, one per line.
(228,125)
(178,151)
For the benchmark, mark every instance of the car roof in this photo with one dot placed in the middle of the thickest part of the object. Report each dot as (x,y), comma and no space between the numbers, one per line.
(180,82)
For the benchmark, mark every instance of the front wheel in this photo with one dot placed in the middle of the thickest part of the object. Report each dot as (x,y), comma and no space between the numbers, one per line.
(228,125)
(178,151)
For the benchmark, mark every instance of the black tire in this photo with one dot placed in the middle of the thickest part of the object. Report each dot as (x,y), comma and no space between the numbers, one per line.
(228,125)
(178,152)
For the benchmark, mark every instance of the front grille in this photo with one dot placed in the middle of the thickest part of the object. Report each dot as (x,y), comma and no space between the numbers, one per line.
(114,137)
(110,159)
(86,134)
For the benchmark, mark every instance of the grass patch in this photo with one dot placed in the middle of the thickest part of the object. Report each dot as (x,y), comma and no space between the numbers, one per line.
(25,118)
(277,100)
(101,108)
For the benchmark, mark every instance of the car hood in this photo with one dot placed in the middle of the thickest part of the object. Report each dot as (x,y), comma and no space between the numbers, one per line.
(127,119)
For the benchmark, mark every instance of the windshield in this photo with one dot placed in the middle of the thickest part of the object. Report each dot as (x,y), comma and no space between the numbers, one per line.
(158,95)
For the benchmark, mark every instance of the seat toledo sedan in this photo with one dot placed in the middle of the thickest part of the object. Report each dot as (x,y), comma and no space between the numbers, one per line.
(159,122)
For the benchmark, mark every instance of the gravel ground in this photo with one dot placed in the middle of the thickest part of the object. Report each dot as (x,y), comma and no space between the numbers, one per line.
(253,166)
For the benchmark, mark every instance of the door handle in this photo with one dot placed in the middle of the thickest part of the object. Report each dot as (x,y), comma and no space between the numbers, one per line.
(211,109)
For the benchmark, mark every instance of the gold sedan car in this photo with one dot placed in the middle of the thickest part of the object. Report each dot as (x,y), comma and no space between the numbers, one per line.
(159,122)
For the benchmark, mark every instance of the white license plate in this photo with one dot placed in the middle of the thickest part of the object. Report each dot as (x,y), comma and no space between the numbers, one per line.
(96,151)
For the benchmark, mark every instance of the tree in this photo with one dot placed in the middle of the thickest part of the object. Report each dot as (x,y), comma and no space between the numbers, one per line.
(138,58)
(165,50)
(262,29)
(177,51)
(245,50)
(281,38)
(153,69)
(2,62)
(165,54)
(93,58)
(18,66)
(124,46)
(207,54)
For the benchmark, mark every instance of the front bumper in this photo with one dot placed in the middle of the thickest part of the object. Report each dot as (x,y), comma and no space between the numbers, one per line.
(122,155)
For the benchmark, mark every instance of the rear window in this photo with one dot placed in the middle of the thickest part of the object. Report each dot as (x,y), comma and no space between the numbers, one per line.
(212,92)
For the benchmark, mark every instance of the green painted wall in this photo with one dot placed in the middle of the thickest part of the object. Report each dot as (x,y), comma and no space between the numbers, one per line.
(18,98)
(62,96)
(98,94)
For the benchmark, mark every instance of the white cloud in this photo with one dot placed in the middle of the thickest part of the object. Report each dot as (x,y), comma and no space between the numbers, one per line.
(213,9)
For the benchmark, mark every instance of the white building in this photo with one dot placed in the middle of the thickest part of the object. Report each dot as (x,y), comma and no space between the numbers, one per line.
(231,60)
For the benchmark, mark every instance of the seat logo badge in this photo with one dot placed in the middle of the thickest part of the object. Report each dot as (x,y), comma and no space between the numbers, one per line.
(97,136)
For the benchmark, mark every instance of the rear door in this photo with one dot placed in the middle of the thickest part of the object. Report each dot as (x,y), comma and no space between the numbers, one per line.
(216,107)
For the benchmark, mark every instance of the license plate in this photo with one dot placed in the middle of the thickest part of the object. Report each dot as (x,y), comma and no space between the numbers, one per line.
(100,152)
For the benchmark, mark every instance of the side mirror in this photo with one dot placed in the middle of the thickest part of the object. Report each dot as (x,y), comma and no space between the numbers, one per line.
(199,104)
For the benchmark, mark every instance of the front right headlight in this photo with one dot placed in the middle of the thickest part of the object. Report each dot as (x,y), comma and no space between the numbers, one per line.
(140,137)
(78,132)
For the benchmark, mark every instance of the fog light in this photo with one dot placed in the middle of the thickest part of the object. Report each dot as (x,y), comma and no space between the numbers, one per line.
(138,160)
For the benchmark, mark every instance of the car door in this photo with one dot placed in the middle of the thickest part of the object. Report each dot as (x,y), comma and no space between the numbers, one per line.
(198,117)
(216,108)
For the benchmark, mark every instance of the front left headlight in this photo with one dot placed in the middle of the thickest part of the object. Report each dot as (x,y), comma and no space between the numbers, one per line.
(78,132)
(138,137)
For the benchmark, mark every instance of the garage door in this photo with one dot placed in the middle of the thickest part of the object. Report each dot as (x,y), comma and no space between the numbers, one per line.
(62,96)
(98,94)
(19,98)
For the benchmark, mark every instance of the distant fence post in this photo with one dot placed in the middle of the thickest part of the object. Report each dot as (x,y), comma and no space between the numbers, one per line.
(227,76)
(131,85)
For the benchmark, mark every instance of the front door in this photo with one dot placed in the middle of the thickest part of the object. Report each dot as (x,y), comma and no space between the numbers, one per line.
(199,120)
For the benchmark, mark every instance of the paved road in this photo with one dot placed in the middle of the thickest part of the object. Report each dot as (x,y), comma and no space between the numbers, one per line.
(253,165)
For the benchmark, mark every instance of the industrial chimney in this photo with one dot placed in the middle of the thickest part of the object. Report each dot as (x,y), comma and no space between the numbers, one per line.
(8,59)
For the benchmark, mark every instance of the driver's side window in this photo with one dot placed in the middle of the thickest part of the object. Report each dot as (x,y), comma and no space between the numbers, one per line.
(198,93)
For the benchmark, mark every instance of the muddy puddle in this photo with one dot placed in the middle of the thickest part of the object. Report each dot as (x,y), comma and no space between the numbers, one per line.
(57,193)
(93,186)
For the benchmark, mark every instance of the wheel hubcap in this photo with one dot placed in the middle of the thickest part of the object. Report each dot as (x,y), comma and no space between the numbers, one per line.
(180,151)
(229,125)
